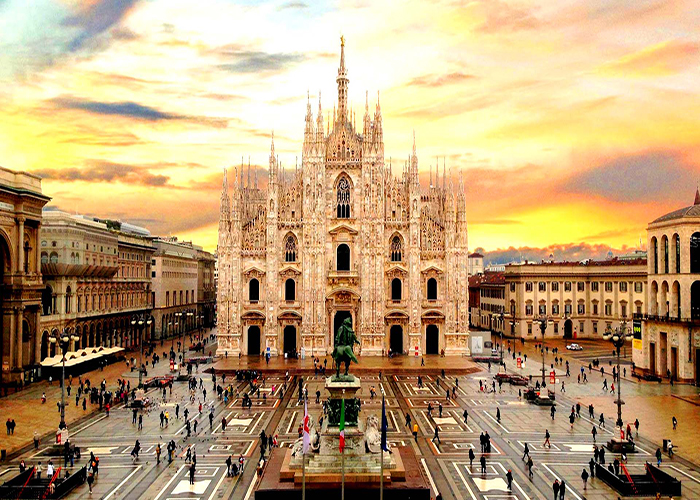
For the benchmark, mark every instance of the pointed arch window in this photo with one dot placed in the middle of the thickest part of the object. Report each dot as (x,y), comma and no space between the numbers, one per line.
(343,199)
(396,249)
(290,249)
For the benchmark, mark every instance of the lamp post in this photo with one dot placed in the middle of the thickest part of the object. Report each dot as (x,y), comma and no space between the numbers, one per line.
(178,315)
(189,321)
(63,341)
(172,337)
(618,336)
(141,321)
(543,322)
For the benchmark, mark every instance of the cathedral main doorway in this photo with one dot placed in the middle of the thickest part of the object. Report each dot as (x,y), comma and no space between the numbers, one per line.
(254,341)
(340,316)
(396,339)
(290,341)
(432,339)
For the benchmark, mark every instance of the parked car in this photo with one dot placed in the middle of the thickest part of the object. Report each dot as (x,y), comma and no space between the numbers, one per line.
(574,347)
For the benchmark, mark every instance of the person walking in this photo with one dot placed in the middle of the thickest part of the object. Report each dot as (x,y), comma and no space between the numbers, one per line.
(675,422)
(90,479)
(440,410)
(584,477)
(594,431)
(436,435)
(601,421)
(529,467)
(192,471)
(498,415)
(546,439)
(408,420)
(555,488)
(509,479)
(415,432)
(482,460)
(526,452)
(140,422)
(465,414)
(636,426)
(553,411)
(471,459)
(591,466)
(158,453)
(601,455)
(562,489)
(658,457)
(572,418)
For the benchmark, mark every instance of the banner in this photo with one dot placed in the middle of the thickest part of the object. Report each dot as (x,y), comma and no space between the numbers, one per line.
(306,436)
(342,425)
(385,426)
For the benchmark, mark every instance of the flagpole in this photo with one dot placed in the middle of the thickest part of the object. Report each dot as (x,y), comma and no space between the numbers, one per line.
(381,457)
(342,455)
(303,476)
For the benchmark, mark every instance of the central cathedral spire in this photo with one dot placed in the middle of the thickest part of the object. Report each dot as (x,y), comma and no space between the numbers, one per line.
(342,85)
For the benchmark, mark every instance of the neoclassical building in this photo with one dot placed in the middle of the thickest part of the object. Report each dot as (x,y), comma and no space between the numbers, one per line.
(670,336)
(342,237)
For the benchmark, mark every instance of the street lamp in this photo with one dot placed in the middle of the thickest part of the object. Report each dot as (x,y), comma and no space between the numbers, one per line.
(172,337)
(141,321)
(63,341)
(618,336)
(178,315)
(543,322)
(189,321)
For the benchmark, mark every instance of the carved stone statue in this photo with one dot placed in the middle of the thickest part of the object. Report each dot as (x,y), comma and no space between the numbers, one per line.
(345,339)
(373,436)
(315,440)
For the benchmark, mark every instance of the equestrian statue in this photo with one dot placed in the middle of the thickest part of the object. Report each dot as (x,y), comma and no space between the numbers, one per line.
(345,339)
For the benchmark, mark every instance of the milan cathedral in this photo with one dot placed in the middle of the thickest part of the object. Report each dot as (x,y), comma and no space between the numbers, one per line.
(342,237)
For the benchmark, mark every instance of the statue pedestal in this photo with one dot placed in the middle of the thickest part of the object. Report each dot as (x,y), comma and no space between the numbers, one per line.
(348,383)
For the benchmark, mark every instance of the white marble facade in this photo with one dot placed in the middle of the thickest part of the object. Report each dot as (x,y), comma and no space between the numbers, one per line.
(342,237)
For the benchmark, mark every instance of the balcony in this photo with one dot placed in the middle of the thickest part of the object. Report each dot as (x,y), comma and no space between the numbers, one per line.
(668,319)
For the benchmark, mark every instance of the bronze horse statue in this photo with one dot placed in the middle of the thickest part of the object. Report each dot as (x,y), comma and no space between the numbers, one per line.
(345,339)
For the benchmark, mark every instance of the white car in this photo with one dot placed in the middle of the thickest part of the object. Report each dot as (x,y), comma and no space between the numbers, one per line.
(574,347)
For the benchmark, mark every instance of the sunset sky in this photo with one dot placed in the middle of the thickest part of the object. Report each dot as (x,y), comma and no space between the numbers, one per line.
(570,121)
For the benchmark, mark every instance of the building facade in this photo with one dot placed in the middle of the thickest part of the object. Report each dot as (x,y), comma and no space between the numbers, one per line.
(670,336)
(476,263)
(21,203)
(184,291)
(342,238)
(96,277)
(582,298)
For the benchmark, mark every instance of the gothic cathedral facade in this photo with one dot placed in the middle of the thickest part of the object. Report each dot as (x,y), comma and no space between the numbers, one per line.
(342,237)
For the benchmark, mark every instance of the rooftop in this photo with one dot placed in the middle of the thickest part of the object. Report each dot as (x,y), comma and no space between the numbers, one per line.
(682,213)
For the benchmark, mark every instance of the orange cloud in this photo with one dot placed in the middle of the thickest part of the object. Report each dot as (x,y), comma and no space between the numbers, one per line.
(663,59)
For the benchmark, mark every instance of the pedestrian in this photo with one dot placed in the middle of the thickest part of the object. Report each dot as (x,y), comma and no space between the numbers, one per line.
(440,409)
(578,410)
(140,422)
(408,420)
(158,453)
(529,467)
(562,489)
(483,464)
(555,488)
(675,422)
(594,431)
(572,418)
(601,455)
(562,387)
(192,474)
(509,479)
(465,414)
(601,421)
(553,411)
(591,466)
(223,424)
(90,479)
(636,426)
(526,452)
(436,435)
(546,439)
(471,459)
(658,457)
(415,432)
(498,415)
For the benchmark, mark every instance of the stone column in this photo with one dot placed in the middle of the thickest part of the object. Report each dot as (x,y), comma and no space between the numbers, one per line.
(18,335)
(20,244)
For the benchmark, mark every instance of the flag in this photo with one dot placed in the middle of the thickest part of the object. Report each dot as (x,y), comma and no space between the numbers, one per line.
(306,437)
(385,426)
(342,425)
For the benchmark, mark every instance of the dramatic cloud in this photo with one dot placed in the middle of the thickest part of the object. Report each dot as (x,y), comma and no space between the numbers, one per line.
(128,109)
(254,62)
(95,18)
(440,80)
(572,252)
(636,178)
(663,59)
(105,171)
